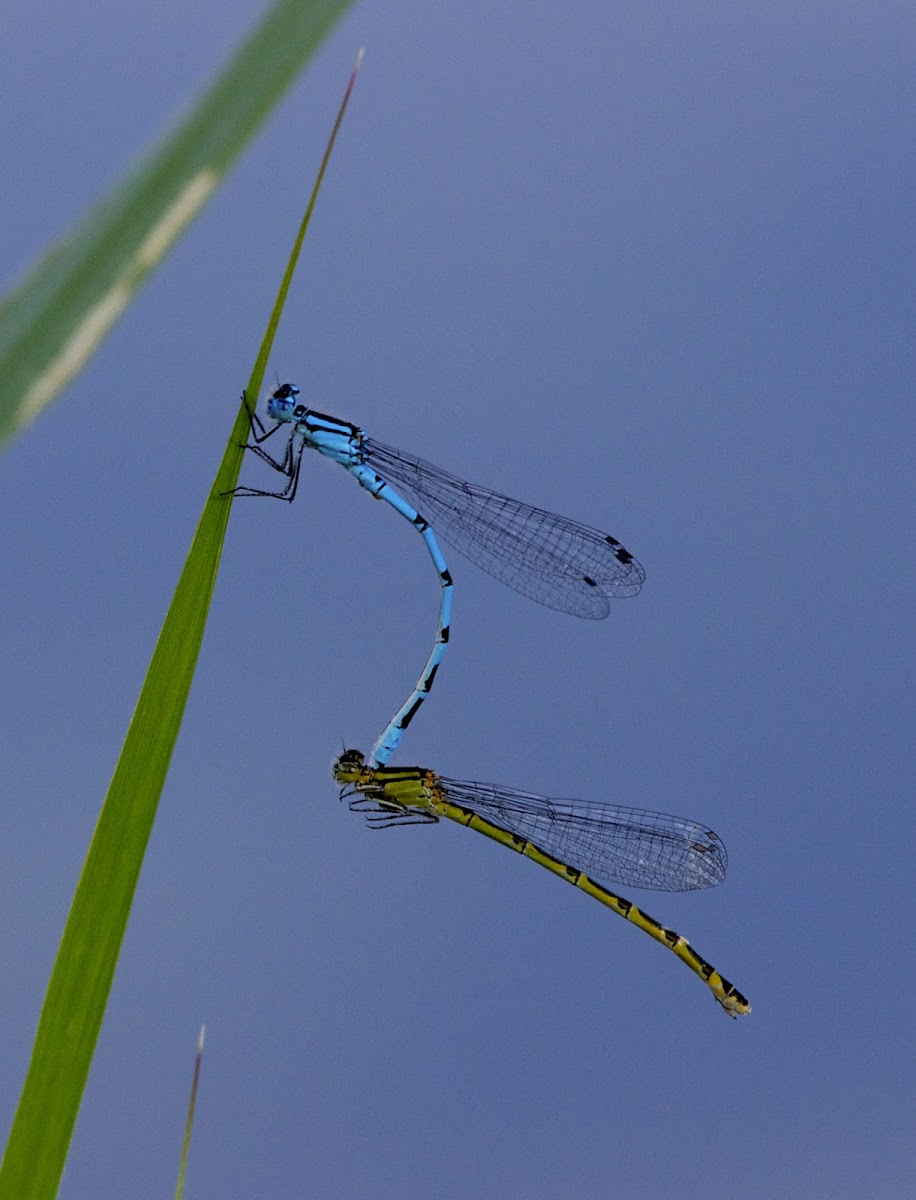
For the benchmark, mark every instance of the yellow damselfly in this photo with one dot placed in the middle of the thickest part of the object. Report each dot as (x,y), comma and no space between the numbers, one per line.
(633,846)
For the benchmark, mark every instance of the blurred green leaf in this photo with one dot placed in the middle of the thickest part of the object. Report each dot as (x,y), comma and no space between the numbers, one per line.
(55,318)
(83,971)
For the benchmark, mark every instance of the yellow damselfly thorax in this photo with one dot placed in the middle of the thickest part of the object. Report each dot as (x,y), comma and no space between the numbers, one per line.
(386,795)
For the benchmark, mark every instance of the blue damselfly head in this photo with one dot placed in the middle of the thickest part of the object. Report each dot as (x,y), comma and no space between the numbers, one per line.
(281,405)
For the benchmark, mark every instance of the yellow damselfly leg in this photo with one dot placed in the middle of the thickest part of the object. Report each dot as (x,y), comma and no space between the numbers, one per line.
(635,846)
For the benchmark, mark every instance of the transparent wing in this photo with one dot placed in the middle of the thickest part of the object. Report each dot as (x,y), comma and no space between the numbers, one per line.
(551,559)
(632,846)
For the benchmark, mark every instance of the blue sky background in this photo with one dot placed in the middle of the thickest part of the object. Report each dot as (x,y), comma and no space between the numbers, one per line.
(649,265)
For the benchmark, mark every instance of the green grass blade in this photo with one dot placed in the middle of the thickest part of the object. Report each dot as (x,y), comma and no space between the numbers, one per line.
(84,968)
(53,320)
(260,366)
(189,1123)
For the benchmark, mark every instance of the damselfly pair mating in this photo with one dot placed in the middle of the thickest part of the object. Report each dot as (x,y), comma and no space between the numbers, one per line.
(561,564)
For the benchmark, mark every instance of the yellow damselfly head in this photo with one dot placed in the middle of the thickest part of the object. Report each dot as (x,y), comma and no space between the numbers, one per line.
(349,766)
(282,406)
